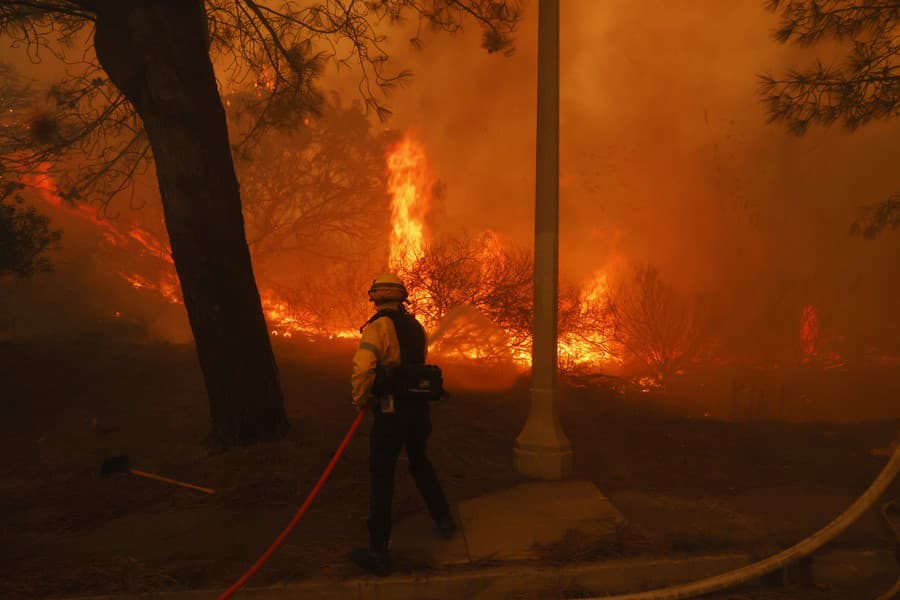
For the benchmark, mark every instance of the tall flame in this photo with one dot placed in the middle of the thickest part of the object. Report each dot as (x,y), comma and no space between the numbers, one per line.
(409,184)
(464,332)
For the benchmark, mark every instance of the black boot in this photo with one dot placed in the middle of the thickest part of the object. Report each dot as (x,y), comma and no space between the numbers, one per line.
(447,526)
(373,559)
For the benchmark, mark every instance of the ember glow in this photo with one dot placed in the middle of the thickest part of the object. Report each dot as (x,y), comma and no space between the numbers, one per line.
(166,286)
(590,348)
(284,320)
(128,237)
(809,331)
(464,332)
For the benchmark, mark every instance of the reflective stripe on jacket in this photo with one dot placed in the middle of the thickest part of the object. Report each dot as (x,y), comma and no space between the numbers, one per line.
(379,346)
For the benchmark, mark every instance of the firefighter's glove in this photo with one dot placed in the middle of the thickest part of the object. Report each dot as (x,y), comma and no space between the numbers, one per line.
(364,403)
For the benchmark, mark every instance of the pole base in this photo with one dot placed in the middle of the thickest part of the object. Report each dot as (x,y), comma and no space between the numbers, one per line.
(542,462)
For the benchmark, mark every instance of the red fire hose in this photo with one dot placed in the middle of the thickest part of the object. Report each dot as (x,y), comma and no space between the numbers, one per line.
(300,512)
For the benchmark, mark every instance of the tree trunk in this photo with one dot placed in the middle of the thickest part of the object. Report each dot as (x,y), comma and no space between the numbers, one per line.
(156,52)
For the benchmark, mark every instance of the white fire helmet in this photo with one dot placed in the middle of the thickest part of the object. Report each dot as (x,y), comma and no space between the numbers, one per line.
(387,287)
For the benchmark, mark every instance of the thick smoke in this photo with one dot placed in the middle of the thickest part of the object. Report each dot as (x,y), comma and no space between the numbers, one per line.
(666,158)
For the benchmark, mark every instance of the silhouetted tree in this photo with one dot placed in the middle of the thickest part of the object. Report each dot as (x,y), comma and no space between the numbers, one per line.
(654,323)
(877,218)
(317,189)
(153,89)
(25,234)
(25,237)
(865,87)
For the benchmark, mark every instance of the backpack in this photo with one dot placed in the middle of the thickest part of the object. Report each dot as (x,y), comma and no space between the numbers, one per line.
(412,379)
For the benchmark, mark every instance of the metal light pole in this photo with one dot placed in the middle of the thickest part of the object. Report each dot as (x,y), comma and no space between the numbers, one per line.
(542,450)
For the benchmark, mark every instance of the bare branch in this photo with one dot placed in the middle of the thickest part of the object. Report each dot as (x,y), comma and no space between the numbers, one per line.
(877,218)
(865,87)
(654,323)
(83,131)
(320,190)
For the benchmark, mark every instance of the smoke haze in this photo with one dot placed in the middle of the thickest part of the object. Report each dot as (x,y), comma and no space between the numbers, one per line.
(666,158)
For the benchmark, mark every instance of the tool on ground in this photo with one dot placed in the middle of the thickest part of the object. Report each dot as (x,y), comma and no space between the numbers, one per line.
(119,464)
(300,512)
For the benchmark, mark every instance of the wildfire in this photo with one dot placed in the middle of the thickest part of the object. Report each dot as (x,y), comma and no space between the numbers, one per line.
(590,348)
(647,383)
(463,335)
(809,331)
(286,320)
(463,332)
(43,183)
(130,238)
(409,184)
(167,286)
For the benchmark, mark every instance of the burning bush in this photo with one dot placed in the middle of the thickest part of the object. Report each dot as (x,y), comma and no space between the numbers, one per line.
(588,322)
(654,323)
(322,303)
(475,293)
(478,272)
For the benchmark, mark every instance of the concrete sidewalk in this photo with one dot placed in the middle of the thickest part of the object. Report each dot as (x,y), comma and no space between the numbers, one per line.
(845,569)
(514,581)
(508,525)
(497,551)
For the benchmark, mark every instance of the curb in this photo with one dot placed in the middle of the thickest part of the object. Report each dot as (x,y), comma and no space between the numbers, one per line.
(837,567)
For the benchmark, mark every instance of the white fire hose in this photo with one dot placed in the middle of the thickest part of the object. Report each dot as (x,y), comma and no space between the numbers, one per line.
(777,561)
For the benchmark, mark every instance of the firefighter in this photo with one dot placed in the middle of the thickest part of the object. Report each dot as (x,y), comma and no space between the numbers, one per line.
(390,334)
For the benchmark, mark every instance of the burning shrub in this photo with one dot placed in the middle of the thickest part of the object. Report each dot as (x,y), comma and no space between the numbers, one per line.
(478,272)
(329,302)
(475,294)
(588,321)
(654,323)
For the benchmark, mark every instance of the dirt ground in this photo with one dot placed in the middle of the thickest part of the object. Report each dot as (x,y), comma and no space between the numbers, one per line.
(67,531)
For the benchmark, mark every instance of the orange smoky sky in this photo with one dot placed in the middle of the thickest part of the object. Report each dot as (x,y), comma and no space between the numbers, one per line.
(666,156)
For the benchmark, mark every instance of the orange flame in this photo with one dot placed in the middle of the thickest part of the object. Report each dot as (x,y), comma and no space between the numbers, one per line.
(409,184)
(282,318)
(589,349)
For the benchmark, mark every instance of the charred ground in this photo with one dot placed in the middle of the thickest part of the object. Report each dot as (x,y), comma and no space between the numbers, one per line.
(71,403)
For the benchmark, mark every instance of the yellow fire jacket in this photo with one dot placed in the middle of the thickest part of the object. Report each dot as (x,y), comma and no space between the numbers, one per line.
(378,346)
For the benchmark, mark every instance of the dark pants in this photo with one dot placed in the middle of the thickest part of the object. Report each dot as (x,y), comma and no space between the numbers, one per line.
(409,426)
